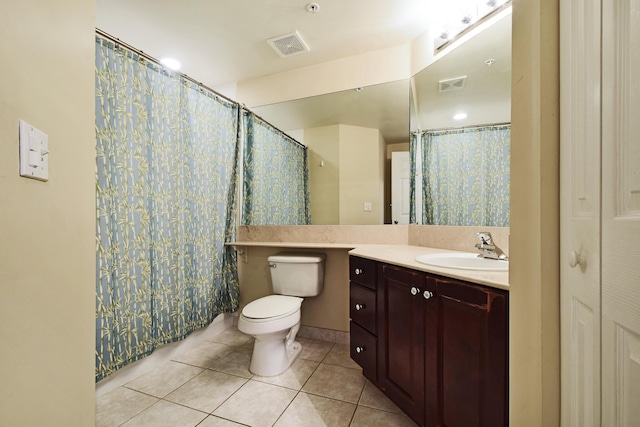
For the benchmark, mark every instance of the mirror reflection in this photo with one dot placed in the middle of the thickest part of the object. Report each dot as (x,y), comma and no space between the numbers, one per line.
(359,139)
(460,123)
(350,135)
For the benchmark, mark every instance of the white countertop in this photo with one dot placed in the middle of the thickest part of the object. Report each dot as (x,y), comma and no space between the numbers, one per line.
(319,245)
(401,255)
(405,256)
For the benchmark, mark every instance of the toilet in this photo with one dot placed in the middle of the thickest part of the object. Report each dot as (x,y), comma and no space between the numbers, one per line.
(274,320)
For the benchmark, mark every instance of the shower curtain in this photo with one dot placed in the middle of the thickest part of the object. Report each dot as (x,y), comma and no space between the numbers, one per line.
(166,183)
(276,176)
(466,176)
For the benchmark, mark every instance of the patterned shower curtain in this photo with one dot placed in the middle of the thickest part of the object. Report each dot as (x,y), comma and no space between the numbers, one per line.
(466,176)
(166,182)
(276,176)
(414,141)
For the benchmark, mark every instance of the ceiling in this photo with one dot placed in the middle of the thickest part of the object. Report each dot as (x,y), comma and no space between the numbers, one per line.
(221,42)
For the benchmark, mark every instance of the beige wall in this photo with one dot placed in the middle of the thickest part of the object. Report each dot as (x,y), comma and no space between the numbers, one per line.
(324,173)
(352,173)
(361,175)
(534,272)
(327,77)
(47,229)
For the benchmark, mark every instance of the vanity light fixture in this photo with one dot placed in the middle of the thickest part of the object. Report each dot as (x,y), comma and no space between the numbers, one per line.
(460,116)
(461,16)
(171,63)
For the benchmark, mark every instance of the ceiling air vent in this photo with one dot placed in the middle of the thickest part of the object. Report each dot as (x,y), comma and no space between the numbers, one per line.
(451,84)
(288,44)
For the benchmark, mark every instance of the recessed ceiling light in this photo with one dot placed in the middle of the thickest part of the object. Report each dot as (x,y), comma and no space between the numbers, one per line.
(460,116)
(170,63)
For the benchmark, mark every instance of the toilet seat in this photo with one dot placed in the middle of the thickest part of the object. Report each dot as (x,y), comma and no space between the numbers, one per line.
(270,308)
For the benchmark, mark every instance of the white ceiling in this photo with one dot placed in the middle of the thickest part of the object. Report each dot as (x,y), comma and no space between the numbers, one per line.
(221,42)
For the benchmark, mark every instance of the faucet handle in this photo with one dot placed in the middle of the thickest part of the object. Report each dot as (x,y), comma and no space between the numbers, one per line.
(485,237)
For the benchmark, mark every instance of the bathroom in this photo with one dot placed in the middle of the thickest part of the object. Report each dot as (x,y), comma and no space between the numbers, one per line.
(48,230)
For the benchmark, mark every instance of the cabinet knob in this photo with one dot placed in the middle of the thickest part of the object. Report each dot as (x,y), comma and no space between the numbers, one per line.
(359,271)
(577,258)
(359,307)
(360,349)
(427,294)
(415,291)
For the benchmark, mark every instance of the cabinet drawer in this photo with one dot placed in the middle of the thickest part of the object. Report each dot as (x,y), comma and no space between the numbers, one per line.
(363,351)
(363,307)
(362,271)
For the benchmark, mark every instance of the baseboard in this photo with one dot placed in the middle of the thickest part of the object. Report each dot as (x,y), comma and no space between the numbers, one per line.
(322,334)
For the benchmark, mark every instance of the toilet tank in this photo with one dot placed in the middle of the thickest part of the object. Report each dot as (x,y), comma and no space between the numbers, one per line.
(297,274)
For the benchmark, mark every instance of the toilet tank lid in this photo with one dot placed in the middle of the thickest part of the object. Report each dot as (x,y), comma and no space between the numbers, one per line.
(297,258)
(272,306)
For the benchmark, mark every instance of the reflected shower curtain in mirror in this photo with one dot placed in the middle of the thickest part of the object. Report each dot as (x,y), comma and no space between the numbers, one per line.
(166,182)
(466,176)
(276,176)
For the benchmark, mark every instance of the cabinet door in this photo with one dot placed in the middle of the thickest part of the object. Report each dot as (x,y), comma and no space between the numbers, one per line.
(401,338)
(472,363)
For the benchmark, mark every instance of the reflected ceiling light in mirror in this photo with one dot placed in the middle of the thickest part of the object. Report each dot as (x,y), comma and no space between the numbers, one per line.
(456,17)
(460,116)
(171,63)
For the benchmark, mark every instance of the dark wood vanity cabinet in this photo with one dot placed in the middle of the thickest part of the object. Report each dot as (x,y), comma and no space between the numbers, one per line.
(441,347)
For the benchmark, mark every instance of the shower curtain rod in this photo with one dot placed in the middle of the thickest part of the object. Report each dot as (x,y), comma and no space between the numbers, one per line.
(155,61)
(468,127)
(246,109)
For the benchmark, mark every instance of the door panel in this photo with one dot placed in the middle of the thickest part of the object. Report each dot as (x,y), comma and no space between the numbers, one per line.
(580,211)
(621,214)
(401,336)
(400,184)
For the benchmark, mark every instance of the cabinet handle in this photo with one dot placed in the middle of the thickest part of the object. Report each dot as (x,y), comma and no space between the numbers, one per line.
(577,258)
(360,307)
(360,349)
(427,294)
(415,291)
(359,271)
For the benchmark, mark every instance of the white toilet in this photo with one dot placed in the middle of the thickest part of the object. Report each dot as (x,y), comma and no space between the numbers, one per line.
(274,320)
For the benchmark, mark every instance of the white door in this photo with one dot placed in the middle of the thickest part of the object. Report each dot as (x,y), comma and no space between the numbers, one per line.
(400,190)
(621,213)
(580,212)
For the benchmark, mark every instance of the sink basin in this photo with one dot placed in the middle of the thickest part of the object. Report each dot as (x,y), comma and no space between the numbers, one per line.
(463,261)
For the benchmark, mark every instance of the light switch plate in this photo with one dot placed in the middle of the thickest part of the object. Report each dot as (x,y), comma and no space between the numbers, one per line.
(34,152)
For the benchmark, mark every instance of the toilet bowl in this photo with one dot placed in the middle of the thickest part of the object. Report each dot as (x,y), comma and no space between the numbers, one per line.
(274,320)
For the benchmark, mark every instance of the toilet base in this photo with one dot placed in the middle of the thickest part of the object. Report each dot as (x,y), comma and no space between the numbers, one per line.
(274,353)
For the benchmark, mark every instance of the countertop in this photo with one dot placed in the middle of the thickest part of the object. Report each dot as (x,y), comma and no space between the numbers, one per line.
(401,255)
(405,255)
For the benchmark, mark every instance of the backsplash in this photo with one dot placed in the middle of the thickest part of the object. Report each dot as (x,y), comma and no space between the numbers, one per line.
(360,234)
(455,238)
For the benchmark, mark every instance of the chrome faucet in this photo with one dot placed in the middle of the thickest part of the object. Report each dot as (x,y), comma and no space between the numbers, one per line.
(487,248)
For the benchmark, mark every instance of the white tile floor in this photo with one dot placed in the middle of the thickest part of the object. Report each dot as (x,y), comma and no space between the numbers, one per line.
(211,386)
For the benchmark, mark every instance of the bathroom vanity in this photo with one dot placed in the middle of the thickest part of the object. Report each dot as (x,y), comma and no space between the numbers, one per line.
(436,345)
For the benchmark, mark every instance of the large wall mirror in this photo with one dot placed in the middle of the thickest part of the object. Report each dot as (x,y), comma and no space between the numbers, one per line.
(460,122)
(352,134)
